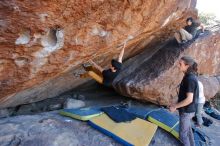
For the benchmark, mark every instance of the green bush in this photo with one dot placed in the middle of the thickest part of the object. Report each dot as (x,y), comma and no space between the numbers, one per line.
(208,18)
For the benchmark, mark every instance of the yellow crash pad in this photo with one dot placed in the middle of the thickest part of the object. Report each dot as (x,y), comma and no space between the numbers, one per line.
(137,132)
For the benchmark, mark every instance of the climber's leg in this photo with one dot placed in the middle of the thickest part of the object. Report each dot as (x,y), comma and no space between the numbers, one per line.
(93,73)
(185,35)
(95,76)
(177,37)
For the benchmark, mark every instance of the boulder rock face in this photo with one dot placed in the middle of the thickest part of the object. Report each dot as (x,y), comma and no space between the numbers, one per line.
(211,85)
(155,78)
(44,42)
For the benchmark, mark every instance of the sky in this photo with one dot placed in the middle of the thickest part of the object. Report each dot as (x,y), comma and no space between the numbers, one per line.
(209,6)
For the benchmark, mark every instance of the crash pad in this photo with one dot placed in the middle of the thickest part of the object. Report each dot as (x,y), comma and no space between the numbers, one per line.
(82,114)
(137,132)
(165,120)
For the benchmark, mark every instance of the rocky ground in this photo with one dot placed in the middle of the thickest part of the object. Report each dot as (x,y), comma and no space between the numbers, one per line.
(51,129)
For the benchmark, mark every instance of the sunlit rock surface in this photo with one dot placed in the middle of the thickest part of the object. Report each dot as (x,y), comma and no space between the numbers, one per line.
(43,42)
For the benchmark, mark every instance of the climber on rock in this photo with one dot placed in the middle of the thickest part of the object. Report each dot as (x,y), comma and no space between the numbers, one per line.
(189,31)
(104,76)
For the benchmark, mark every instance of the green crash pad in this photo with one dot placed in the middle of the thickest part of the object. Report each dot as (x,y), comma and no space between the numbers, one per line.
(165,120)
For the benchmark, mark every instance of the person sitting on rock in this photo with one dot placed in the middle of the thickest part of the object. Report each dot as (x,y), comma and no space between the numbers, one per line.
(189,31)
(106,76)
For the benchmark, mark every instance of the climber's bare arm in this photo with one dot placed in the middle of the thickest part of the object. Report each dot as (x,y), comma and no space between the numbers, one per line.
(96,65)
(121,54)
(202,27)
